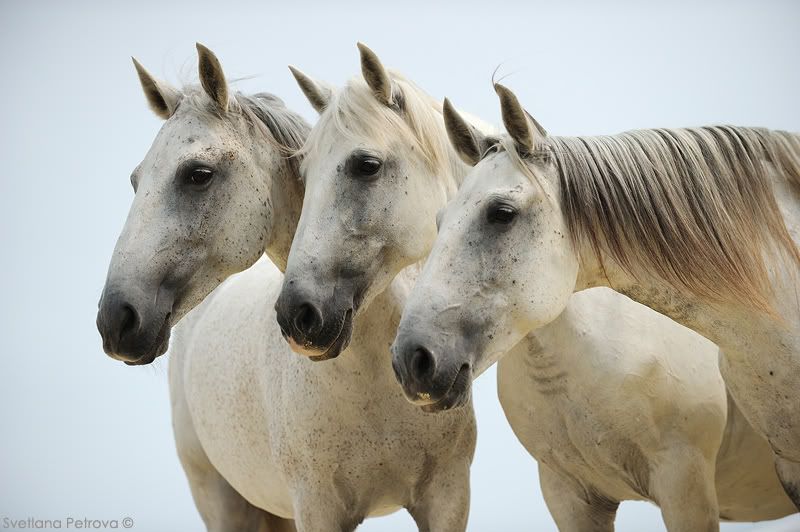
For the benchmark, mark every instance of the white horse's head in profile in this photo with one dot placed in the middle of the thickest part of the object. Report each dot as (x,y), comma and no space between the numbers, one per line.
(214,192)
(377,168)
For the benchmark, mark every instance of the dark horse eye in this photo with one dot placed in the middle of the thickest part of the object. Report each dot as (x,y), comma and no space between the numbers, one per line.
(501,214)
(199,177)
(367,166)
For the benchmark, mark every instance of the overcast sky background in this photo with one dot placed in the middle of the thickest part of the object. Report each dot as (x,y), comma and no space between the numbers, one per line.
(85,436)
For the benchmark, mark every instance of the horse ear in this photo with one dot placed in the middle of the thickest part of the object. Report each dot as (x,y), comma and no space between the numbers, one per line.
(318,94)
(526,132)
(376,75)
(162,98)
(469,143)
(212,78)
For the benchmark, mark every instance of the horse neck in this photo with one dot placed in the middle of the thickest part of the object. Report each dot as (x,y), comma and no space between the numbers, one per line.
(733,328)
(368,355)
(284,205)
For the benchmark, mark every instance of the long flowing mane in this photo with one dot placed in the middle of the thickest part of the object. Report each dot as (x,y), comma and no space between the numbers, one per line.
(354,112)
(694,206)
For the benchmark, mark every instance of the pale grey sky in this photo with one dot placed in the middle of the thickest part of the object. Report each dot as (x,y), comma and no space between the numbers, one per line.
(85,436)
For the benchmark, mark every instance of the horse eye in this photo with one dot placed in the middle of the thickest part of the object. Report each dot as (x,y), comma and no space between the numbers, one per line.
(199,177)
(367,166)
(501,214)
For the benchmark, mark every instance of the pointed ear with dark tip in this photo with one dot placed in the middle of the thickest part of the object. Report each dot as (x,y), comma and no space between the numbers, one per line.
(468,142)
(319,95)
(526,132)
(212,78)
(161,97)
(375,75)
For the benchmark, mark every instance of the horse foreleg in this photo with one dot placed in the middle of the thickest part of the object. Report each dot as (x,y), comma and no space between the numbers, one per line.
(682,483)
(789,474)
(442,504)
(574,508)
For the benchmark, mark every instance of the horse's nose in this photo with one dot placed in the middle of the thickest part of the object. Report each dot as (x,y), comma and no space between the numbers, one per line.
(117,320)
(422,366)
(316,327)
(415,368)
(307,320)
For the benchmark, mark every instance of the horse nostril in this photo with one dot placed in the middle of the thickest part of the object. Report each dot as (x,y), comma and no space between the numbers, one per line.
(128,320)
(422,363)
(308,319)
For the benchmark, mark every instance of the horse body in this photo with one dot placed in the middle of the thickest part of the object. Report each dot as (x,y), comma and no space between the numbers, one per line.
(611,397)
(301,439)
(760,352)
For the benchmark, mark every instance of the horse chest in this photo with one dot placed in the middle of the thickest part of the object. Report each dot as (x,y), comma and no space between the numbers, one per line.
(562,428)
(231,414)
(276,426)
(363,433)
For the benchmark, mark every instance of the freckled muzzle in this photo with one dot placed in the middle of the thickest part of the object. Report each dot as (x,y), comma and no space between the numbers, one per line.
(320,331)
(134,325)
(435,377)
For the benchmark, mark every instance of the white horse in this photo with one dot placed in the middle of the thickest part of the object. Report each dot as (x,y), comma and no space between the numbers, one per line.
(268,440)
(378,167)
(699,224)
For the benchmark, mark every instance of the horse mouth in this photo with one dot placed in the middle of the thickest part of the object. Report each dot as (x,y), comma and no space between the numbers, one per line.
(160,345)
(341,341)
(457,395)
(334,349)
